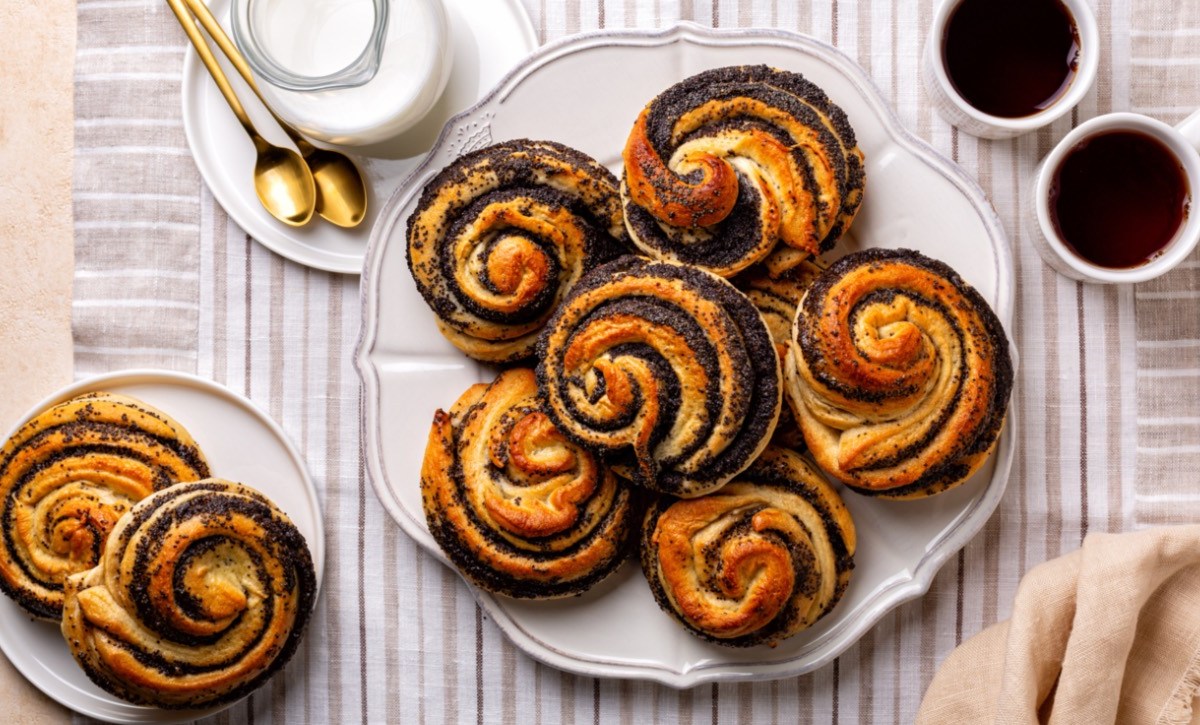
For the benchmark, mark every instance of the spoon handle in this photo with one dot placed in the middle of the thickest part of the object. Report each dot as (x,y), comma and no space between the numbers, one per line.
(221,38)
(206,56)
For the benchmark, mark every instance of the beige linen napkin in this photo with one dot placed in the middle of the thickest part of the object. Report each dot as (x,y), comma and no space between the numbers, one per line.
(1108,633)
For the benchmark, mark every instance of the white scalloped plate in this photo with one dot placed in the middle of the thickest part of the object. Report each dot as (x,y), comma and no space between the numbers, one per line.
(585,92)
(241,444)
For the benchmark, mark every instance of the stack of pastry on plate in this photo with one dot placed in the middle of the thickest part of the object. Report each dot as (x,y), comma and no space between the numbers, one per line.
(697,379)
(173,588)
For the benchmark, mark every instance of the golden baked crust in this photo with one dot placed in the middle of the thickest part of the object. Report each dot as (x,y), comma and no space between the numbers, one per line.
(201,595)
(777,299)
(722,166)
(517,507)
(500,235)
(666,367)
(900,374)
(755,562)
(66,477)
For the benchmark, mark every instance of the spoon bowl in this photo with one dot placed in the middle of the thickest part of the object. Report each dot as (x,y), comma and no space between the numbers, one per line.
(284,185)
(341,192)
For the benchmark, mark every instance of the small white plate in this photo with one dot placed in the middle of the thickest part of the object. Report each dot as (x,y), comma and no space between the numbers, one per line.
(241,444)
(489,38)
(586,92)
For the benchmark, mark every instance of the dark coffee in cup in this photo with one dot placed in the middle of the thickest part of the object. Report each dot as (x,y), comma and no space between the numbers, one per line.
(1118,198)
(1011,58)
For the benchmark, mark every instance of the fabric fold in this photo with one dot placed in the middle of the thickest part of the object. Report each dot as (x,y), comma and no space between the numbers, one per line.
(1108,633)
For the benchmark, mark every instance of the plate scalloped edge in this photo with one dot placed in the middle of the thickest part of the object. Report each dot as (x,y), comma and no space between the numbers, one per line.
(939,550)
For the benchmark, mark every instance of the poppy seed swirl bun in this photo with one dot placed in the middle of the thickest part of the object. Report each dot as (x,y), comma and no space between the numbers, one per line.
(755,562)
(665,368)
(900,374)
(201,595)
(726,164)
(501,234)
(66,477)
(515,505)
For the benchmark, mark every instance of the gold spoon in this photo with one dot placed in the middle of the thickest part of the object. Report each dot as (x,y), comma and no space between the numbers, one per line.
(282,180)
(341,192)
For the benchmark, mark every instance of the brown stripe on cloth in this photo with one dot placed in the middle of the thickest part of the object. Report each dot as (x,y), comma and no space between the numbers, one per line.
(333,455)
(745,702)
(897,667)
(925,113)
(419,570)
(449,639)
(866,680)
(744,17)
(837,666)
(1083,414)
(1019,478)
(804,700)
(1050,400)
(508,674)
(566,684)
(685,706)
(538,670)
(305,442)
(478,664)
(1118,386)
(391,625)
(362,578)
(894,21)
(625,702)
(862,32)
(275,367)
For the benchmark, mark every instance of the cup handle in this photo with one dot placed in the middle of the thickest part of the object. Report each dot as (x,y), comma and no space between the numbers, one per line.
(1190,128)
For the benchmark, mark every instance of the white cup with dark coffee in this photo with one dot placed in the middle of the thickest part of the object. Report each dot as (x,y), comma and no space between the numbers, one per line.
(1112,202)
(1000,68)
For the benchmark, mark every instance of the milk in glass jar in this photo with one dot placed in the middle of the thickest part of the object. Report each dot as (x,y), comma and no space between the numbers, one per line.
(347,72)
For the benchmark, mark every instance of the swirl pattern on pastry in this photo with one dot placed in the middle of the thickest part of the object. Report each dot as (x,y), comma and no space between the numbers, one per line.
(201,595)
(520,509)
(66,477)
(755,562)
(725,165)
(777,299)
(666,367)
(500,235)
(900,374)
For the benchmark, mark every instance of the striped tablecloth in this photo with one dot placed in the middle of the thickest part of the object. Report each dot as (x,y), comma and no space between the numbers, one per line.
(1109,438)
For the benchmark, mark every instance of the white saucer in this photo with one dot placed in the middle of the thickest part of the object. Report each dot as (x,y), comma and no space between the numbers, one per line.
(241,444)
(489,38)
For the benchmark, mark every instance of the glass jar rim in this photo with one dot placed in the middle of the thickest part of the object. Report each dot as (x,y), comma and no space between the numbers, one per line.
(361,70)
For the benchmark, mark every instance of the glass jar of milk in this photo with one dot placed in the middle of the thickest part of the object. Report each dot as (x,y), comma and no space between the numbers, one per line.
(349,72)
